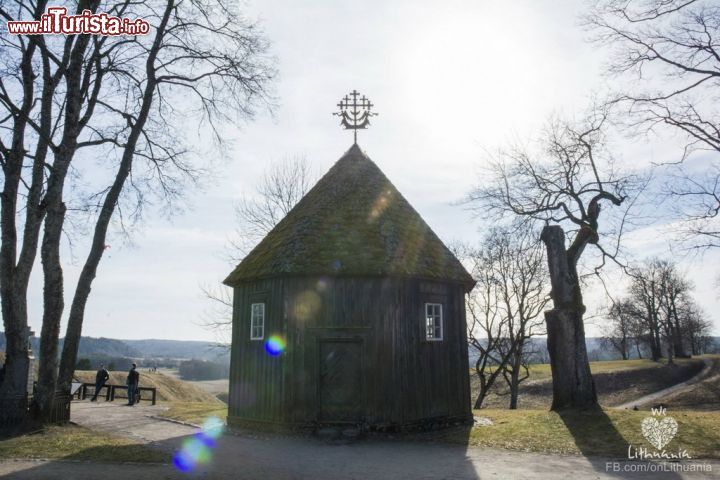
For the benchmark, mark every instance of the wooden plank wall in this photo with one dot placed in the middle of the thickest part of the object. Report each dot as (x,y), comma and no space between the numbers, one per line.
(406,378)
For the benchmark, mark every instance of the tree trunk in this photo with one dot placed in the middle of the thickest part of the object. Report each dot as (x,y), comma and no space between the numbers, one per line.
(656,345)
(482,393)
(53,305)
(677,335)
(515,380)
(573,385)
(13,390)
(53,292)
(89,271)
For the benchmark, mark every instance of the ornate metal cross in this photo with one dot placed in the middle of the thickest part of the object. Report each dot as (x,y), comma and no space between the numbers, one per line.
(355,112)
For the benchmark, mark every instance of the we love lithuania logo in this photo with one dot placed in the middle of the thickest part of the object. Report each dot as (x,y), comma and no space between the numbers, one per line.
(659,430)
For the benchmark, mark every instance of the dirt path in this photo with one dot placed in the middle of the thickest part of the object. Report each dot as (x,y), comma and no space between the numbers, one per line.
(709,369)
(251,456)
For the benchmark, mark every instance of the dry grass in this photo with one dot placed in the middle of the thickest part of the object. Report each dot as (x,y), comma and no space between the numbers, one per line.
(72,442)
(602,432)
(704,395)
(169,389)
(195,412)
(617,382)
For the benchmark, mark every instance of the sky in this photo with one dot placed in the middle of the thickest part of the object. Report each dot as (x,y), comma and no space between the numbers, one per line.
(451,81)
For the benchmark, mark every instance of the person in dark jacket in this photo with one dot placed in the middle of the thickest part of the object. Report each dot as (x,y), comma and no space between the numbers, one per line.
(133,379)
(101,377)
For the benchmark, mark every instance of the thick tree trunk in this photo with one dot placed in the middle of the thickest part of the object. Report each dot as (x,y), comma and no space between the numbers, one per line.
(53,305)
(573,385)
(13,278)
(53,290)
(13,390)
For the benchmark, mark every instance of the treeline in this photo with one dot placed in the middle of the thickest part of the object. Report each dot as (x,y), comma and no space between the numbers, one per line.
(658,317)
(114,363)
(203,370)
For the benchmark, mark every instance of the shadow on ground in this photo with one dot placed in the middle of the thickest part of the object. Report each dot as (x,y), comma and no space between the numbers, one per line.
(593,431)
(260,455)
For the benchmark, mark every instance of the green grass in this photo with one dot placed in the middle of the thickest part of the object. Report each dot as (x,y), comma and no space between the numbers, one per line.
(78,443)
(541,371)
(195,412)
(603,432)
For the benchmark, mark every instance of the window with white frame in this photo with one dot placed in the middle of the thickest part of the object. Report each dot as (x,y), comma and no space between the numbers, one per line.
(433,321)
(257,321)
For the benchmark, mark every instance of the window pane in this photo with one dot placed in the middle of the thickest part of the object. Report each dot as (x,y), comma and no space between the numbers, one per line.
(257,321)
(433,321)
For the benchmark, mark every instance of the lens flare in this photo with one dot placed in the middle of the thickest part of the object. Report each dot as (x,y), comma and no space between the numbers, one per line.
(213,427)
(197,450)
(275,345)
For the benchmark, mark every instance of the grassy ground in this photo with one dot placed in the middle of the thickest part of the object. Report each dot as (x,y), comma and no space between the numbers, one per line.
(596,433)
(602,432)
(195,412)
(703,396)
(217,388)
(168,389)
(72,442)
(616,382)
(541,371)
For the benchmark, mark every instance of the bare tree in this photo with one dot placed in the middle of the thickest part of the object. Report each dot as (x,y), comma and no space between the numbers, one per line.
(675,289)
(618,333)
(666,54)
(505,306)
(646,295)
(520,271)
(661,295)
(562,186)
(281,187)
(123,100)
(696,328)
(487,327)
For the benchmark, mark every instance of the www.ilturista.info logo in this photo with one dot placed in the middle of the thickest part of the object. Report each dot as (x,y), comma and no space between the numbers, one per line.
(56,21)
(659,430)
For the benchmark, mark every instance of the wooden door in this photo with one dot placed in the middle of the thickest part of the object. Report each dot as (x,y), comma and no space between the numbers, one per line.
(341,383)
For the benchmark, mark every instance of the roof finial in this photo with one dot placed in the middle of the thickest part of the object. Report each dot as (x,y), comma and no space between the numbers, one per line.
(355,113)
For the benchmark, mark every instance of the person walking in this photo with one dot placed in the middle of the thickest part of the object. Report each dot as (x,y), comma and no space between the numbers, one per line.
(133,380)
(101,377)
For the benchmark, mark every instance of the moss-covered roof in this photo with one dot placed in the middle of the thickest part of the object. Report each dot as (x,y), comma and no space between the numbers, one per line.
(352,222)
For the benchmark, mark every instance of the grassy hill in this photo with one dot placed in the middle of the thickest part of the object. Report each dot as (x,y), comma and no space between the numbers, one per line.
(616,381)
(169,389)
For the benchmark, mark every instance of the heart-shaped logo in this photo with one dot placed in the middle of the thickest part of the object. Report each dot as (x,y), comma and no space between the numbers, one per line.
(659,432)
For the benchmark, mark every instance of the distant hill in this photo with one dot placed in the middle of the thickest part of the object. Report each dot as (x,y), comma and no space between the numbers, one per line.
(91,347)
(181,349)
